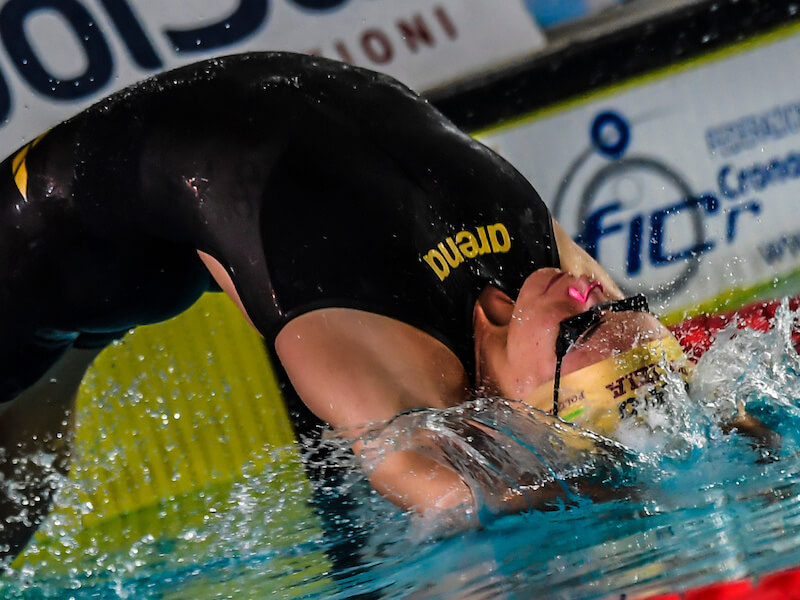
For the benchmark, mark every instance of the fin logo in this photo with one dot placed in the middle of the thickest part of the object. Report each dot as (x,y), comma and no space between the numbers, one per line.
(633,212)
(465,245)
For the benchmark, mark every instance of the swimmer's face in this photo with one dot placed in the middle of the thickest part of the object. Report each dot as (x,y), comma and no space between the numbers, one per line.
(515,341)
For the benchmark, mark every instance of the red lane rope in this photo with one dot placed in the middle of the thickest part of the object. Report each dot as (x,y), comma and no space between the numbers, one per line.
(697,334)
(784,585)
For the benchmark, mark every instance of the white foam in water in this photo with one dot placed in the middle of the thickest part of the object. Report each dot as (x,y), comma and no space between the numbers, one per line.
(745,364)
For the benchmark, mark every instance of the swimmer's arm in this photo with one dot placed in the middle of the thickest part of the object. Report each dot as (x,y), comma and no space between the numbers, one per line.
(351,367)
(763,439)
(416,482)
(576,261)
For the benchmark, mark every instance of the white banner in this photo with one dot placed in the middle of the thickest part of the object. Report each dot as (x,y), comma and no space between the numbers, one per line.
(59,56)
(684,185)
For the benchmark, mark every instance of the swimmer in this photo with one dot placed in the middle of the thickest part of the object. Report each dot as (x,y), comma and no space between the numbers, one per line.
(390,261)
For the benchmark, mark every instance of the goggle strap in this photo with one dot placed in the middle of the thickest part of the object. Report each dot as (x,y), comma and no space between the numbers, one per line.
(557,383)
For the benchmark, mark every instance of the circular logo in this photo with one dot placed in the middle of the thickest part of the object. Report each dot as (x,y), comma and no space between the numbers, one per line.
(610,134)
(632,212)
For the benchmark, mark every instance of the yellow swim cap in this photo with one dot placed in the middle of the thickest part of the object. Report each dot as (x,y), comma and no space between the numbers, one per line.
(599,397)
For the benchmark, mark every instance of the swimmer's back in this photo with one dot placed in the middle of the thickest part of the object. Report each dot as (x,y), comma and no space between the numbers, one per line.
(313,183)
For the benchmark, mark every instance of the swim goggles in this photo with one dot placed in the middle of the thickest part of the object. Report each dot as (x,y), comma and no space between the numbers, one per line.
(571,330)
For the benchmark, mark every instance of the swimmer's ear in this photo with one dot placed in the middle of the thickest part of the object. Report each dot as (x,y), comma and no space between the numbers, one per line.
(494,306)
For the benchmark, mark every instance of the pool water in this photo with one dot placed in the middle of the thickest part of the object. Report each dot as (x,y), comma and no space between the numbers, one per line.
(673,504)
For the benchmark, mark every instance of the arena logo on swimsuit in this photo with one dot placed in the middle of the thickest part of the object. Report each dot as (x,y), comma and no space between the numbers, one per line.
(19,167)
(451,252)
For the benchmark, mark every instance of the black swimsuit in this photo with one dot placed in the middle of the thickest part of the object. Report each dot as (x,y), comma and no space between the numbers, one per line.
(313,183)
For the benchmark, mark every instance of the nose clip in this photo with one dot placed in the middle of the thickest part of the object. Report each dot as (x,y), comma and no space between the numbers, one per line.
(581,297)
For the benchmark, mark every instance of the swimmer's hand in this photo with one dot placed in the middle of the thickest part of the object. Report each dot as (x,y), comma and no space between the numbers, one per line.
(555,495)
(764,440)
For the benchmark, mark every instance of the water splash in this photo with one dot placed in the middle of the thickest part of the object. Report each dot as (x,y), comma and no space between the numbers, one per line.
(673,501)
